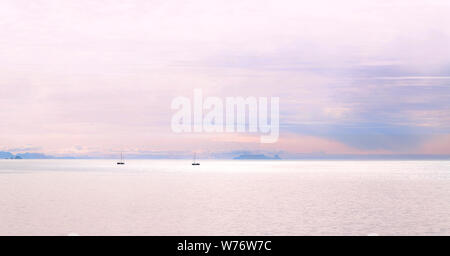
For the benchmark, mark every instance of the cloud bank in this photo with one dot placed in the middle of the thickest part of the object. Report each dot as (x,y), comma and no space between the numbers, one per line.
(97,77)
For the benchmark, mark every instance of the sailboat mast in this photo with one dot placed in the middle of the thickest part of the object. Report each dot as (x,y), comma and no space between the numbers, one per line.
(121,159)
(195,159)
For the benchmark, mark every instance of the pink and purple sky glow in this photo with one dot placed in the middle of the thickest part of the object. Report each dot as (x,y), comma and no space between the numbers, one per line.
(93,78)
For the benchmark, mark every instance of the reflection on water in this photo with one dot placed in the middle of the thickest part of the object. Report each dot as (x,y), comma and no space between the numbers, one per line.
(172,197)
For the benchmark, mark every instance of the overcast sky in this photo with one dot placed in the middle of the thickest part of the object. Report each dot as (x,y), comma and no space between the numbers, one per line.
(98,77)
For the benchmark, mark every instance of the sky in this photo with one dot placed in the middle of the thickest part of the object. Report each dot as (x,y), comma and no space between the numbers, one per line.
(98,77)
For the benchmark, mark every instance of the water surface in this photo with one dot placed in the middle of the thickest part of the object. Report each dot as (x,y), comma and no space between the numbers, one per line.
(172,197)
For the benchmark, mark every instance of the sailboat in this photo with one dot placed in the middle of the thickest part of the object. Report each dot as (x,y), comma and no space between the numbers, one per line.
(121,159)
(195,158)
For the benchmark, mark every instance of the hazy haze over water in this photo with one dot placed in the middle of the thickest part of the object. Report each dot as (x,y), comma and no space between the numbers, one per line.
(171,197)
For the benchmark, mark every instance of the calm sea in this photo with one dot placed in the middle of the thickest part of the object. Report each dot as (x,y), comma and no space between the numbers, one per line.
(172,197)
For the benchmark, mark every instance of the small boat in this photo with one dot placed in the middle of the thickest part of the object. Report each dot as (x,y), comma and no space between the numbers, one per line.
(194,162)
(121,159)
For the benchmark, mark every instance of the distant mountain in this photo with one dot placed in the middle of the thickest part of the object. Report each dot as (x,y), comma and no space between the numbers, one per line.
(27,155)
(4,155)
(34,156)
(237,155)
(257,157)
